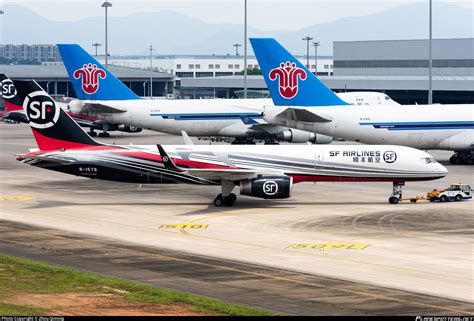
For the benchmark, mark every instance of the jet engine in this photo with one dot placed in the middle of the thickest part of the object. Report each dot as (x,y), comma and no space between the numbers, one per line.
(267,187)
(301,136)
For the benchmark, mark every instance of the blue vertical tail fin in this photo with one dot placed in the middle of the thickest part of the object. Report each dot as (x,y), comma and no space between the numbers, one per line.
(290,83)
(91,81)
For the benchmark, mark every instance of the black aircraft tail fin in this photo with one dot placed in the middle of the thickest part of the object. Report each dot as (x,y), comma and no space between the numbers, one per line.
(51,126)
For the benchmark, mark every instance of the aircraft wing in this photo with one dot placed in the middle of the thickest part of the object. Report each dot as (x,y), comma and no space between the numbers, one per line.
(231,174)
(303,115)
(101,108)
(228,174)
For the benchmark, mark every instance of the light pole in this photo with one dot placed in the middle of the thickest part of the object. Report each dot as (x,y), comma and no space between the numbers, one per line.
(307,39)
(245,49)
(96,44)
(316,44)
(430,66)
(151,70)
(106,5)
(144,87)
(237,45)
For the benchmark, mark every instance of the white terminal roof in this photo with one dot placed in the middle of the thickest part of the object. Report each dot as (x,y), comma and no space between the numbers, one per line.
(59,72)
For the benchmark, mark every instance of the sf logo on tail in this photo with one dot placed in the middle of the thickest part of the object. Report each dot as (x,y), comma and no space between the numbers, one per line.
(90,75)
(8,89)
(41,110)
(287,75)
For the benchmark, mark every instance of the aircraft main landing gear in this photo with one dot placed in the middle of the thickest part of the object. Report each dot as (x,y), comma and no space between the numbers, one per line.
(243,141)
(105,128)
(464,158)
(227,201)
(397,192)
(226,198)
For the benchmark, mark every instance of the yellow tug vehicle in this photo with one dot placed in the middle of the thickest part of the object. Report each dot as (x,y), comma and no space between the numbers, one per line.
(455,192)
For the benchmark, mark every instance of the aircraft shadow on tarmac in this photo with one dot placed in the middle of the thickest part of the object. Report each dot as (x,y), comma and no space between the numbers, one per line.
(243,204)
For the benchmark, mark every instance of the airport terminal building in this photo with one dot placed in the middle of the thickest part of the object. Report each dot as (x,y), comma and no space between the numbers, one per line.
(396,67)
(54,79)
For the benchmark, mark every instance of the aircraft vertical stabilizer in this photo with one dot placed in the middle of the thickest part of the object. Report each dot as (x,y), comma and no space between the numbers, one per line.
(290,83)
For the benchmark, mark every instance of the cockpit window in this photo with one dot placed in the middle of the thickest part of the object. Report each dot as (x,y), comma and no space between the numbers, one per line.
(387,98)
(428,160)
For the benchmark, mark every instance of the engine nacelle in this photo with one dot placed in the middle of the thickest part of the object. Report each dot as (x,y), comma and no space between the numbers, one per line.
(322,139)
(75,106)
(267,187)
(301,136)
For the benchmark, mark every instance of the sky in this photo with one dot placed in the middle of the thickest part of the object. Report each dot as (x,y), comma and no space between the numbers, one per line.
(262,14)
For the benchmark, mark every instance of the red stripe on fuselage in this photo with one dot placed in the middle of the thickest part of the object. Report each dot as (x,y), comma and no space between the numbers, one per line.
(320,178)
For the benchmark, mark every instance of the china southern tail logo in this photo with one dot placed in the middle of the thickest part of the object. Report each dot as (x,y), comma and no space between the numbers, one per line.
(287,75)
(90,75)
(41,110)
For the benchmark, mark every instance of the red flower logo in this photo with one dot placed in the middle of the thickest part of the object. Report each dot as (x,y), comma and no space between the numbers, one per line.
(90,77)
(287,75)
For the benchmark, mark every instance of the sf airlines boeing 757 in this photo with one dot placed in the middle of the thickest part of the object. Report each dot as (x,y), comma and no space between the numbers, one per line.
(310,105)
(261,171)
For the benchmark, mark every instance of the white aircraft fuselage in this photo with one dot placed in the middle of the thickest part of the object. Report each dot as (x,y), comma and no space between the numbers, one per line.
(208,117)
(445,127)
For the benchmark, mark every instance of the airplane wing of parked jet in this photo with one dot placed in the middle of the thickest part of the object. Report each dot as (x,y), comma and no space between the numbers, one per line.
(303,115)
(100,108)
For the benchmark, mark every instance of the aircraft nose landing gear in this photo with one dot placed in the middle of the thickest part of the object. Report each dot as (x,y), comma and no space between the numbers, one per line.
(226,198)
(397,192)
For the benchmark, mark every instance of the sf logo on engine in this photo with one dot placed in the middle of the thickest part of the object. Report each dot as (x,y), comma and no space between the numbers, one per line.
(41,110)
(8,89)
(389,156)
(270,188)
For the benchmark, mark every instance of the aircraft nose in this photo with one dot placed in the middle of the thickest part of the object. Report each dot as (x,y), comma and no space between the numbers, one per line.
(441,169)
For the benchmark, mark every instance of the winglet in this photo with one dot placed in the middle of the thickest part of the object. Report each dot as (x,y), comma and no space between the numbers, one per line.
(186,139)
(167,161)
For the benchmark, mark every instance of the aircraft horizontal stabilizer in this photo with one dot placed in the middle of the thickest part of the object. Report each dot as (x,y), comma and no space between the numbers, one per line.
(61,161)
